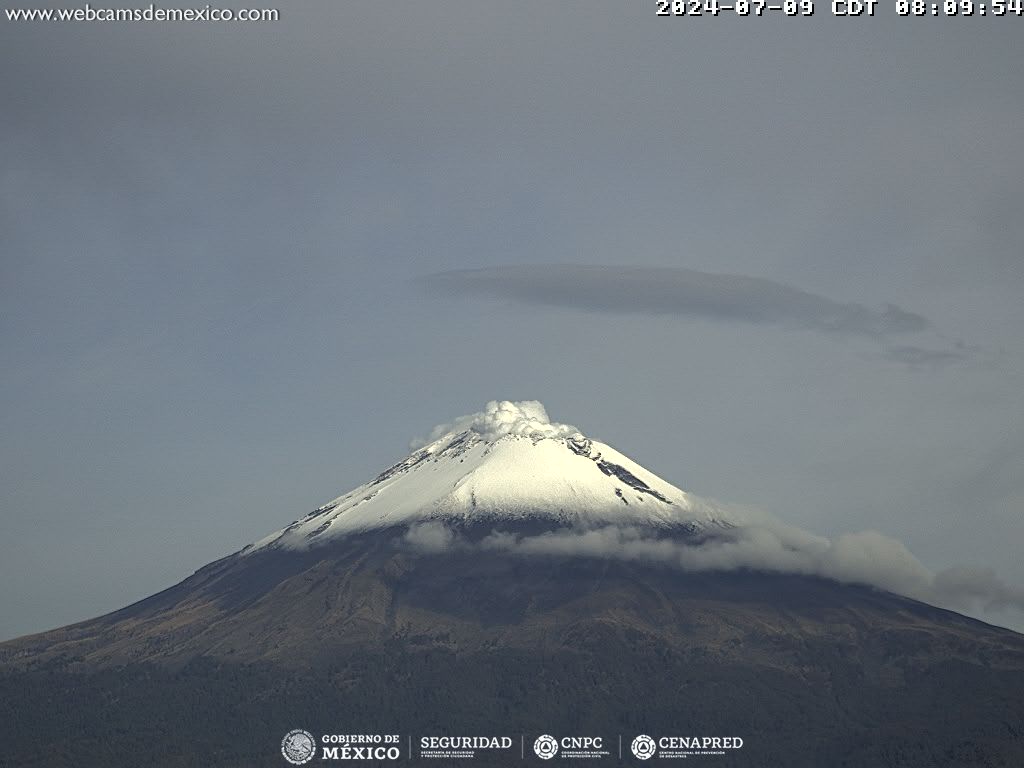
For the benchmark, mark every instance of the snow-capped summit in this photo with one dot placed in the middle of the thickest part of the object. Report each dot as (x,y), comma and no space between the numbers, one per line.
(508,462)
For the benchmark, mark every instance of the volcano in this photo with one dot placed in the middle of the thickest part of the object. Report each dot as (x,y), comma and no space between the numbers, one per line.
(511,578)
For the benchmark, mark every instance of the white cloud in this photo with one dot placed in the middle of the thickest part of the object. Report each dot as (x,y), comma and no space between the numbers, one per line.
(762,543)
(429,537)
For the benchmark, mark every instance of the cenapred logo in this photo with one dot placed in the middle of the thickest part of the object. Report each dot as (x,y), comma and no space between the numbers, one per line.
(643,747)
(546,747)
(298,746)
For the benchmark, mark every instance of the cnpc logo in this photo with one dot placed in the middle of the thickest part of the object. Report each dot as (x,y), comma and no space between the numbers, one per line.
(546,747)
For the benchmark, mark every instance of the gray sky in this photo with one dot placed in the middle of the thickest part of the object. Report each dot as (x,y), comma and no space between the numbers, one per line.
(778,261)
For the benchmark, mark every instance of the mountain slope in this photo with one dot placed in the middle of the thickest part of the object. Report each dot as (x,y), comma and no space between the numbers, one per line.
(363,636)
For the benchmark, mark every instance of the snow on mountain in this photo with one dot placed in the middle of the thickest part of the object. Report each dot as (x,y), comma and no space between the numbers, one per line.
(508,462)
